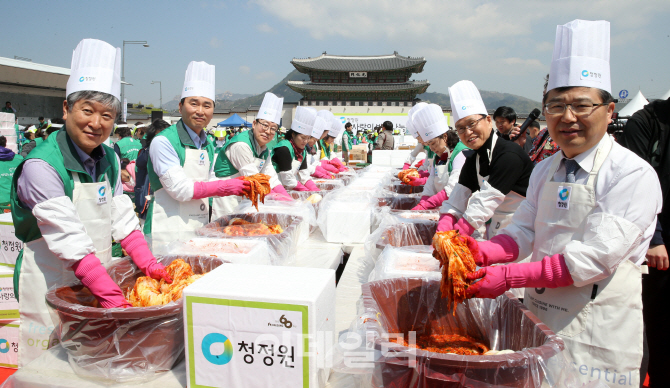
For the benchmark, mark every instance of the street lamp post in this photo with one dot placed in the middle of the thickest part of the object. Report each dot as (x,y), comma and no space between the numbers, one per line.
(123,64)
(161,88)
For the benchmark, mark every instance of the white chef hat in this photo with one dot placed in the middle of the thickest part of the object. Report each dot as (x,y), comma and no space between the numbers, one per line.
(336,126)
(320,125)
(199,81)
(581,55)
(303,121)
(430,122)
(271,108)
(327,117)
(96,66)
(410,115)
(465,100)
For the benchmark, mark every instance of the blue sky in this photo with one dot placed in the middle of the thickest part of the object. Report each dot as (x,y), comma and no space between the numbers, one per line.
(503,46)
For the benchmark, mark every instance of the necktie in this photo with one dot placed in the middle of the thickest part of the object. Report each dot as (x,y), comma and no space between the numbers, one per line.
(571,167)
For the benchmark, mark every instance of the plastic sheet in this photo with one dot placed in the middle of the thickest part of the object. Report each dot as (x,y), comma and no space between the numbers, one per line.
(303,195)
(399,201)
(415,305)
(297,208)
(284,244)
(328,184)
(404,189)
(345,216)
(399,232)
(228,250)
(346,176)
(411,262)
(121,345)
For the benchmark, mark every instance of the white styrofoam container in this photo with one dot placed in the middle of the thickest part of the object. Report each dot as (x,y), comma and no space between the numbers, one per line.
(305,211)
(9,344)
(347,222)
(237,251)
(235,306)
(399,263)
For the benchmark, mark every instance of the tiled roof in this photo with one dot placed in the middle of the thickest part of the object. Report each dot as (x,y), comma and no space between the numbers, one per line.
(306,85)
(359,63)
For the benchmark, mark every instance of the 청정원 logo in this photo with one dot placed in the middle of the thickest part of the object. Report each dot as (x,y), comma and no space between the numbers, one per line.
(585,73)
(343,119)
(564,194)
(81,79)
(464,107)
(214,338)
(5,348)
(101,191)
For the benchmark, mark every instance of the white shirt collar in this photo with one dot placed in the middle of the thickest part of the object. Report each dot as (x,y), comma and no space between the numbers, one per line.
(587,158)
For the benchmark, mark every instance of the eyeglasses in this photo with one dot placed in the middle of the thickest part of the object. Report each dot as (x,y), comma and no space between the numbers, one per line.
(470,126)
(577,108)
(267,128)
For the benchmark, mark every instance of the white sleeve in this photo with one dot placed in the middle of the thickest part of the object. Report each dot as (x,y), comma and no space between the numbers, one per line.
(163,155)
(453,181)
(177,184)
(459,161)
(242,158)
(457,203)
(304,175)
(483,204)
(415,152)
(522,227)
(118,188)
(63,230)
(288,179)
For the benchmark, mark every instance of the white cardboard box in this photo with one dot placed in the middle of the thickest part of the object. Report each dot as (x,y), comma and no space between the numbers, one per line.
(9,344)
(348,222)
(259,326)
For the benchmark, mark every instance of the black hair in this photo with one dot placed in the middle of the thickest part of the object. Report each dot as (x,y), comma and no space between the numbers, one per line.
(8,102)
(452,139)
(138,123)
(52,130)
(535,124)
(289,134)
(124,163)
(3,141)
(57,120)
(40,118)
(388,125)
(347,125)
(605,96)
(123,132)
(181,102)
(154,129)
(506,113)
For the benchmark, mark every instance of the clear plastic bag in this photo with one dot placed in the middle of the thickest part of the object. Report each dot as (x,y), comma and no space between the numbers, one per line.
(121,345)
(229,250)
(345,215)
(399,232)
(285,244)
(399,188)
(310,197)
(399,307)
(411,262)
(297,208)
(328,184)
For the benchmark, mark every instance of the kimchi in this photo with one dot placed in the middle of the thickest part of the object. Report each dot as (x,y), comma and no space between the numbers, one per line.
(456,262)
(259,188)
(151,292)
(404,175)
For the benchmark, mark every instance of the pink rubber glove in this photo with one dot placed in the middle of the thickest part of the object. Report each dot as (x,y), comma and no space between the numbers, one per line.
(311,186)
(436,200)
(500,249)
(420,206)
(279,189)
(414,181)
(463,227)
(424,174)
(342,169)
(300,187)
(138,250)
(319,172)
(551,272)
(329,167)
(220,188)
(93,275)
(446,222)
(406,166)
(338,162)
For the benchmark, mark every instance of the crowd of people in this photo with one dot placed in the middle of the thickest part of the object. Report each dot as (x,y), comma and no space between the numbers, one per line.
(565,216)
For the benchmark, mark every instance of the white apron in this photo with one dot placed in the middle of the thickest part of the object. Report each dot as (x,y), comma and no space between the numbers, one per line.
(601,323)
(41,269)
(177,221)
(222,206)
(503,214)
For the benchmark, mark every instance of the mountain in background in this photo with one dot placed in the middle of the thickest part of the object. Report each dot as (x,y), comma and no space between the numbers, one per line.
(492,100)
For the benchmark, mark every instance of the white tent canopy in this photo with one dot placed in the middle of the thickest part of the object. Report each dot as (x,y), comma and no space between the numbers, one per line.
(665,96)
(638,102)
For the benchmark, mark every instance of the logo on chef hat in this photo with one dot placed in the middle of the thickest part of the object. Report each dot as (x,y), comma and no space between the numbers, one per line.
(585,73)
(211,344)
(81,79)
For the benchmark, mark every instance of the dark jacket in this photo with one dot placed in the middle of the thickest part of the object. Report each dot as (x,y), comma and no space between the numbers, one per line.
(385,141)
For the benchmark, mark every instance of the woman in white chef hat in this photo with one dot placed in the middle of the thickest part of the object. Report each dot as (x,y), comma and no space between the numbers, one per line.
(247,154)
(180,161)
(420,146)
(445,169)
(587,221)
(320,131)
(289,155)
(329,163)
(493,181)
(68,203)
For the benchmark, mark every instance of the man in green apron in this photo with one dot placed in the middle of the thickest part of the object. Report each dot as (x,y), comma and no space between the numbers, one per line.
(249,153)
(180,162)
(126,147)
(8,163)
(347,141)
(68,203)
(589,215)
